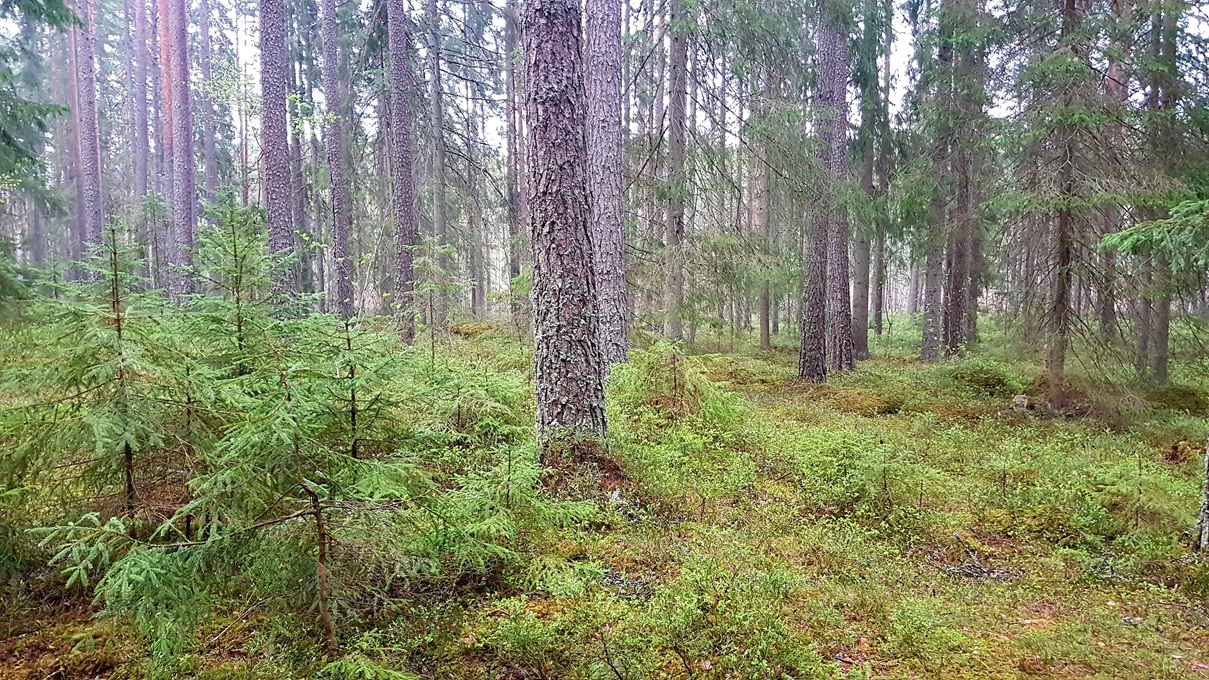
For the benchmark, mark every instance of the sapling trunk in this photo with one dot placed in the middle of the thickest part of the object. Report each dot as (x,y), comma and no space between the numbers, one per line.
(1201,544)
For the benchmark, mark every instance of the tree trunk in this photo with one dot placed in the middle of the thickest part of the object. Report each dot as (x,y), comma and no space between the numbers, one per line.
(184,192)
(512,114)
(812,354)
(877,288)
(932,303)
(404,191)
(436,114)
(207,108)
(141,152)
(79,248)
(569,392)
(677,184)
(274,144)
(833,85)
(334,138)
(90,139)
(603,64)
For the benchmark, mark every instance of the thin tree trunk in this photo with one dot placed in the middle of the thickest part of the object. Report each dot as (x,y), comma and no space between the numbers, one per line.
(932,303)
(207,108)
(512,113)
(569,392)
(334,138)
(436,113)
(603,64)
(878,287)
(80,231)
(141,151)
(677,184)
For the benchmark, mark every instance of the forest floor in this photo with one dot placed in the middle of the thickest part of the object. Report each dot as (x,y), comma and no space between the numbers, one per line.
(904,521)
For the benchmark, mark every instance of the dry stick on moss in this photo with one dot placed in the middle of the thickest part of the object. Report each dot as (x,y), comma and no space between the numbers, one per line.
(1201,543)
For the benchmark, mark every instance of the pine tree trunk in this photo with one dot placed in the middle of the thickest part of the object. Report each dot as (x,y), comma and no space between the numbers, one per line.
(677,184)
(812,354)
(833,85)
(141,152)
(90,139)
(603,64)
(569,391)
(403,193)
(932,303)
(274,143)
(207,108)
(79,239)
(436,121)
(184,192)
(878,287)
(334,138)
(512,114)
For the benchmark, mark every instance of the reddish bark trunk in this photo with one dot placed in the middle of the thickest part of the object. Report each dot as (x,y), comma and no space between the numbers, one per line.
(568,388)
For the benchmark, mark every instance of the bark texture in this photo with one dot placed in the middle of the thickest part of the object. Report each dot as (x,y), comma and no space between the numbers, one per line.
(184,192)
(90,137)
(567,359)
(207,108)
(334,138)
(603,64)
(274,142)
(141,143)
(403,192)
(677,184)
(833,84)
(812,354)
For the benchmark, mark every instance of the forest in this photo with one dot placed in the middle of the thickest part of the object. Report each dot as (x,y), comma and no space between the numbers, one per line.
(604,339)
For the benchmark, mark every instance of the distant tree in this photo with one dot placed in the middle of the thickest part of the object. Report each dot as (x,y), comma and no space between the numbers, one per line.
(184,187)
(334,140)
(403,186)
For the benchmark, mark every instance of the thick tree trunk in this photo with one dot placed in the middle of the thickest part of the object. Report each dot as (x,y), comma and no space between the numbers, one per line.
(403,193)
(90,136)
(184,192)
(334,139)
(569,391)
(812,353)
(677,180)
(833,85)
(275,145)
(603,64)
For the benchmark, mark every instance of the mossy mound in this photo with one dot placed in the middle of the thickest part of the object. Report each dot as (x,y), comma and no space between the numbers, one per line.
(1180,398)
(861,402)
(988,377)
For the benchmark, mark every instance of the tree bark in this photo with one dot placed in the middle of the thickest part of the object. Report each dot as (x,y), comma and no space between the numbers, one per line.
(569,392)
(932,303)
(90,139)
(141,144)
(334,138)
(812,354)
(512,114)
(603,64)
(833,85)
(208,136)
(275,144)
(403,193)
(677,184)
(436,114)
(184,192)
